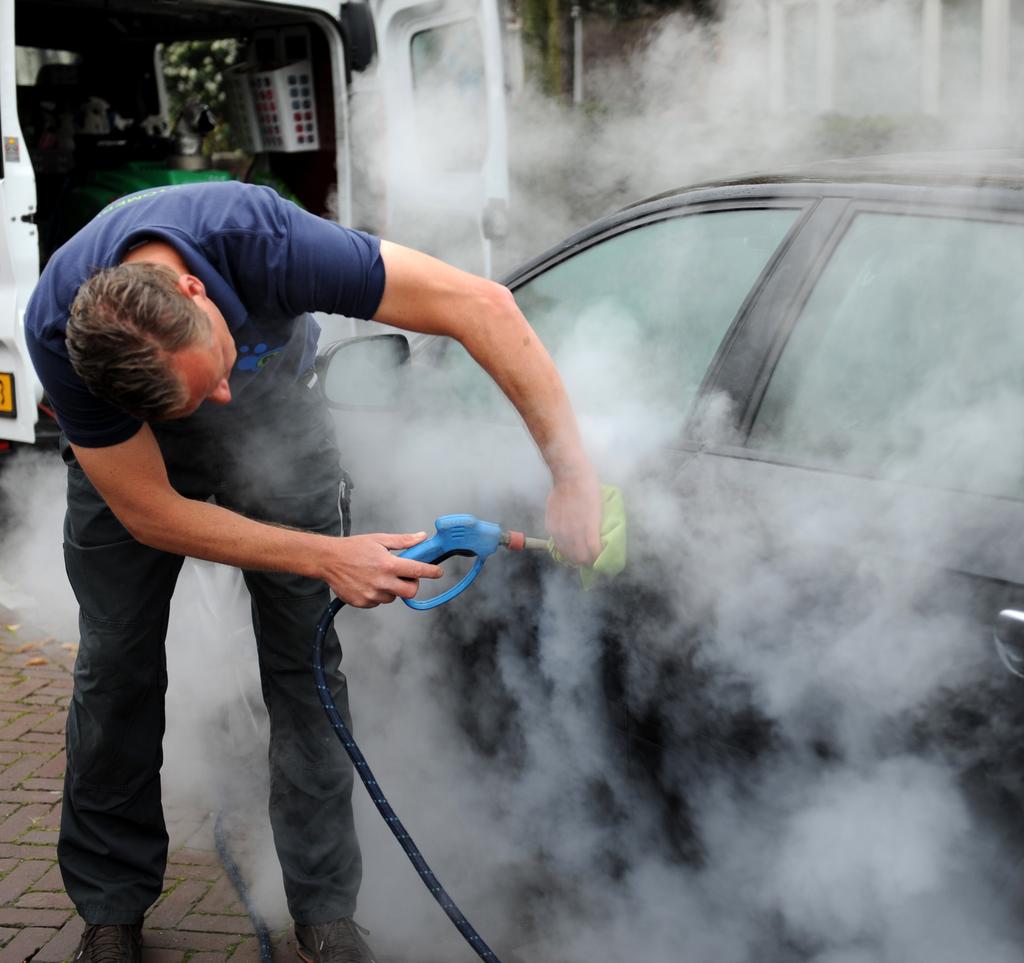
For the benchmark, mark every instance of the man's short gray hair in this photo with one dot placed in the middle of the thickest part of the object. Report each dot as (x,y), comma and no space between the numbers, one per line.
(124,324)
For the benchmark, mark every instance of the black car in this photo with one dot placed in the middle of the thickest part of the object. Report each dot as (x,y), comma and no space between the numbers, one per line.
(810,387)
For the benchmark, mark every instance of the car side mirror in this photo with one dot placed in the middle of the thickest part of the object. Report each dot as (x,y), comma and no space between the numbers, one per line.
(364,372)
(1009,639)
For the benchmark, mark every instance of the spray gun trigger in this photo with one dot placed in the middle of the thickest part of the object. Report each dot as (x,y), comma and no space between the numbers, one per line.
(464,553)
(462,535)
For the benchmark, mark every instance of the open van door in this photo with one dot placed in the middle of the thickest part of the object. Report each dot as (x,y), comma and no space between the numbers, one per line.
(442,83)
(19,251)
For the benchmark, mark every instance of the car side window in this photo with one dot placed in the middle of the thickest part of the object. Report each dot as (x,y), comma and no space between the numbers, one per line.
(905,361)
(634,321)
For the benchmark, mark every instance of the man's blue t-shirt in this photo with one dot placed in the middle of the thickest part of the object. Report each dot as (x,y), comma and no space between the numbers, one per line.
(264,262)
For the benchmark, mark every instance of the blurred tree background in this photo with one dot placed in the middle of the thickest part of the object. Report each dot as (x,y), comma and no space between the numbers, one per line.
(547,30)
(194,71)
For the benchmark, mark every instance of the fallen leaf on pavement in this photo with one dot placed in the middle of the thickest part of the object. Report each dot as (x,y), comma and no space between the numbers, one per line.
(28,647)
(38,660)
(70,646)
(14,627)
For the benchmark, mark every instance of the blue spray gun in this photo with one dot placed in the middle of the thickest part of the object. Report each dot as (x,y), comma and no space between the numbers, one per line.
(468,536)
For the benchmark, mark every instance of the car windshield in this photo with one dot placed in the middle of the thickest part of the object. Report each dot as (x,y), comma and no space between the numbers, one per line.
(905,360)
(634,320)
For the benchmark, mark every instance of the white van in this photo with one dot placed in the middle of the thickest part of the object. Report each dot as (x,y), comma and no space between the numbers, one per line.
(388,116)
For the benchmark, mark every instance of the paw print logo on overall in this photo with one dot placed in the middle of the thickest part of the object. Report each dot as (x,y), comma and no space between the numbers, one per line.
(252,359)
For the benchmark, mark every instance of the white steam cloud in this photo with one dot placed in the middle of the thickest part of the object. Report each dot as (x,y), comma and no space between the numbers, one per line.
(818,732)
(813,798)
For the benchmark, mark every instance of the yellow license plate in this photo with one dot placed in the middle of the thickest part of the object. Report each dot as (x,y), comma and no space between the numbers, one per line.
(8,409)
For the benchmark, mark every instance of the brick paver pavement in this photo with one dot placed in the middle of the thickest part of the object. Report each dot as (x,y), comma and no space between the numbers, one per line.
(198,917)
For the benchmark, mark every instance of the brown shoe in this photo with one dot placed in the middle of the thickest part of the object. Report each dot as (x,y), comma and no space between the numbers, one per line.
(108,943)
(339,941)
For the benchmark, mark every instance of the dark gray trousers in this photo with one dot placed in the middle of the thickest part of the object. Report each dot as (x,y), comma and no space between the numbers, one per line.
(280,466)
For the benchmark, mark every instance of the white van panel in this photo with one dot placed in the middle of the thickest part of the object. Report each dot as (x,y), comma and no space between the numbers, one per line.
(19,246)
(446,154)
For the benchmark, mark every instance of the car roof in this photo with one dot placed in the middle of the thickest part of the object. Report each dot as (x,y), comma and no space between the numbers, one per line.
(993,179)
(968,169)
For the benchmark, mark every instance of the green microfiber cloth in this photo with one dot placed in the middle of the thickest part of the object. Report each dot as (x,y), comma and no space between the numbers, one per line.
(612,559)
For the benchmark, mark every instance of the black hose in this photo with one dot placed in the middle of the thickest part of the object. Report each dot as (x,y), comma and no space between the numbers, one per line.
(235,875)
(377,794)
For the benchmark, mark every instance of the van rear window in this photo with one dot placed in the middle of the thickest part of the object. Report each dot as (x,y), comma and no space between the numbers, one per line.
(29,61)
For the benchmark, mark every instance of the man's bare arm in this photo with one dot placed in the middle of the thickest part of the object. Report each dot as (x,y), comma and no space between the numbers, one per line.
(426,295)
(132,479)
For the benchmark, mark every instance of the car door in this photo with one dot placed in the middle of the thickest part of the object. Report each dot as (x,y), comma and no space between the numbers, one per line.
(889,379)
(635,312)
(876,475)
(19,251)
(444,109)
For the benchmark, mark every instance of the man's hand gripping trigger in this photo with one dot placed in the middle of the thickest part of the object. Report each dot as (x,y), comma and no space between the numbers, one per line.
(362,571)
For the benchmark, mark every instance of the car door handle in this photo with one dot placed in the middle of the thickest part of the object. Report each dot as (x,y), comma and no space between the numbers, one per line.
(1009,640)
